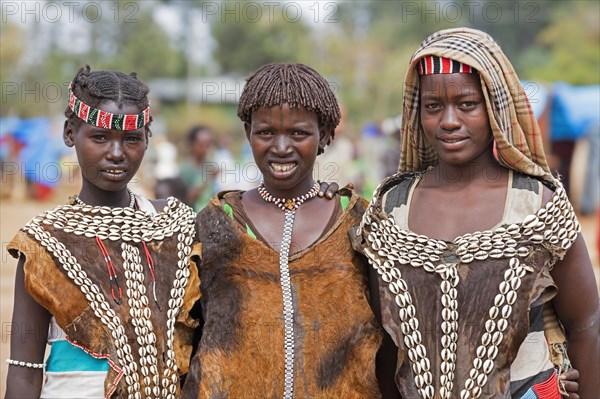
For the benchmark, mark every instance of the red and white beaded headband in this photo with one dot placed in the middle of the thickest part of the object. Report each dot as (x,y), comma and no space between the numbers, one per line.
(107,120)
(432,64)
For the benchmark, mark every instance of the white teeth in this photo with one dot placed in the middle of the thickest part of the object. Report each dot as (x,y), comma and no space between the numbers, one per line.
(114,172)
(282,167)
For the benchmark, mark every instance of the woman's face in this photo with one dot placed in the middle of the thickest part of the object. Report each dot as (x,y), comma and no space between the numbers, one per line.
(454,118)
(285,142)
(108,158)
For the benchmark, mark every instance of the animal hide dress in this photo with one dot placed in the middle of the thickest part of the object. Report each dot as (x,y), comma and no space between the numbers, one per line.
(468,316)
(93,269)
(241,350)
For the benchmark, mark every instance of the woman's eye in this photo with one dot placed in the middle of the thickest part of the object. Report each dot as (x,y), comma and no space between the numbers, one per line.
(133,139)
(98,138)
(263,133)
(432,106)
(468,104)
(299,133)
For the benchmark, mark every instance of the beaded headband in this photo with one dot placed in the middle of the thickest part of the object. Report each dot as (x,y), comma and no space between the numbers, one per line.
(107,120)
(433,64)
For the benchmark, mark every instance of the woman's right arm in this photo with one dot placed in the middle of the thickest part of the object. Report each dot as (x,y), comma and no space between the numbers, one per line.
(29,334)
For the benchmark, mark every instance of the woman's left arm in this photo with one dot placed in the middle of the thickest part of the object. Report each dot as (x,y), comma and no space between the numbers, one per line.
(578,308)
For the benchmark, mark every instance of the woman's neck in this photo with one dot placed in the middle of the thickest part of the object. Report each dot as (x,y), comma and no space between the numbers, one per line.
(95,196)
(292,192)
(484,168)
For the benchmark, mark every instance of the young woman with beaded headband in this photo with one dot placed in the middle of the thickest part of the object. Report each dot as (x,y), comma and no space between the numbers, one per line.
(284,297)
(105,278)
(481,252)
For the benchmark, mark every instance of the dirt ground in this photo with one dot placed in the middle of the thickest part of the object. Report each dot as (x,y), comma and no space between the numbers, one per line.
(15,212)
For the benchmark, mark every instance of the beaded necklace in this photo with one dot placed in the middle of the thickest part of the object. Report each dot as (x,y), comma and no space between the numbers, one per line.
(112,273)
(132,203)
(289,206)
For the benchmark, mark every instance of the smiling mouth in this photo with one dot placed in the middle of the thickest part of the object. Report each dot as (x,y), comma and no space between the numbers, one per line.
(282,167)
(114,174)
(114,171)
(450,141)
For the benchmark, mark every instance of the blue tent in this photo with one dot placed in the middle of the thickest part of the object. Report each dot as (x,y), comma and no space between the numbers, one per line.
(574,110)
(39,157)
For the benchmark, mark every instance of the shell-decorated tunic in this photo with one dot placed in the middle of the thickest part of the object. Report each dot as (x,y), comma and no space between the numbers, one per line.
(126,319)
(462,307)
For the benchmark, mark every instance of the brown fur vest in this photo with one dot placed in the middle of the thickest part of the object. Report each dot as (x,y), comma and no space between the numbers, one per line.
(461,311)
(241,351)
(60,255)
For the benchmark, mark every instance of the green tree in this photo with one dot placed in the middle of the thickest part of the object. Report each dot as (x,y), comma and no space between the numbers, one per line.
(145,48)
(11,49)
(570,45)
(244,42)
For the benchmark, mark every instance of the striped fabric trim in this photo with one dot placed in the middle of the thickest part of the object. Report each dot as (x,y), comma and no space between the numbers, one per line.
(432,65)
(70,385)
(544,390)
(112,364)
(65,357)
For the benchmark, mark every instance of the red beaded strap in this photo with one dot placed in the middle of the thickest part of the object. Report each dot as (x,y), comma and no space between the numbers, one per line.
(112,273)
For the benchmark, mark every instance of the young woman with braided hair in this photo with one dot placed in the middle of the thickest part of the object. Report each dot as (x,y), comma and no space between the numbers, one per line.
(109,272)
(475,244)
(284,298)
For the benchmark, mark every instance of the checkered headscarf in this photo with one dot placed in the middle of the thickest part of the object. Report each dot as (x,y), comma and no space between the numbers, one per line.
(515,129)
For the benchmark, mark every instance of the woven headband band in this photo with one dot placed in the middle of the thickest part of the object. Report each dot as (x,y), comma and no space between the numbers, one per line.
(432,64)
(107,120)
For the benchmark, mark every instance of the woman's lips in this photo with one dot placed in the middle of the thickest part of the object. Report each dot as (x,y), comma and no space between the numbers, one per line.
(452,143)
(114,174)
(282,170)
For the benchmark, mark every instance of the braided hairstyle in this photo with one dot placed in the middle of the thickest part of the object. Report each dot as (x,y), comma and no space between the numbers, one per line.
(95,87)
(295,84)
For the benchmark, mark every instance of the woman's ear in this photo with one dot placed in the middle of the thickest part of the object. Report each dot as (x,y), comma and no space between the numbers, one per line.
(324,138)
(69,134)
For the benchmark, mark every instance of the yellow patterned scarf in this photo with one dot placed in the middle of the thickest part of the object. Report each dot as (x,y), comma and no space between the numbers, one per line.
(515,129)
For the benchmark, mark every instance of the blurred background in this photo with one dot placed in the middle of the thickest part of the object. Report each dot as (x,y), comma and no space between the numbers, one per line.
(195,56)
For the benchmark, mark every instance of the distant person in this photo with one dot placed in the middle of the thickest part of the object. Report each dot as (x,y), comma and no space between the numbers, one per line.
(166,171)
(590,200)
(229,175)
(198,171)
(8,155)
(337,164)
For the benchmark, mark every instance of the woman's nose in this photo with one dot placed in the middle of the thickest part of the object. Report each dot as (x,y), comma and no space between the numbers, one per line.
(450,119)
(116,152)
(282,144)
